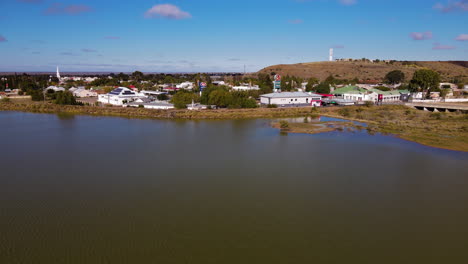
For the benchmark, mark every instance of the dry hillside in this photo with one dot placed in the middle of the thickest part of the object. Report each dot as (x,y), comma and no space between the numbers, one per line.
(368,70)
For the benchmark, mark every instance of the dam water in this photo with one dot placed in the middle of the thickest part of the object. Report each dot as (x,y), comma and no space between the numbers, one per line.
(82,189)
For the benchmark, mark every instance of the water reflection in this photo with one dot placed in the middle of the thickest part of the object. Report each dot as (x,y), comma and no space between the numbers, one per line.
(148,191)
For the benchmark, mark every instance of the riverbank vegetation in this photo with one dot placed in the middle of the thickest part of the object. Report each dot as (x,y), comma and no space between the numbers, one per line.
(442,130)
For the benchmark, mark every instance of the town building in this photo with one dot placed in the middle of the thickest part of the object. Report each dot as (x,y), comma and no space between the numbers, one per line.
(119,96)
(353,93)
(246,88)
(185,85)
(55,89)
(291,99)
(81,92)
(358,94)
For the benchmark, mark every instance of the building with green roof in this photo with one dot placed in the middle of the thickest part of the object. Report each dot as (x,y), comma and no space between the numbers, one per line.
(358,94)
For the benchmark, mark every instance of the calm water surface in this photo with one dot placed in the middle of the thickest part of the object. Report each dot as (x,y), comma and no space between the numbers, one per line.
(79,189)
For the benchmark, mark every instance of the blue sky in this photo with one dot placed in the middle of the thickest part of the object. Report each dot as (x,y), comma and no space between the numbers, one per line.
(224,35)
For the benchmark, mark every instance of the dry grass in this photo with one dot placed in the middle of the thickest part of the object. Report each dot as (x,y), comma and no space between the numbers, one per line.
(442,130)
(40,107)
(364,70)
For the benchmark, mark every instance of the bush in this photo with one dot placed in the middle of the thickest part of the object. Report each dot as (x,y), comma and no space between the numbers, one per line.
(5,100)
(368,103)
(436,115)
(344,112)
(272,106)
(284,124)
(141,106)
(66,98)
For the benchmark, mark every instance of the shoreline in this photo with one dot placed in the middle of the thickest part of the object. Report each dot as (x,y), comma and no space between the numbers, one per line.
(441,130)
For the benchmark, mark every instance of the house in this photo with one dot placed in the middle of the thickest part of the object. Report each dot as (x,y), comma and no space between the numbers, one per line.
(353,93)
(80,92)
(119,96)
(152,93)
(170,88)
(288,99)
(159,105)
(185,85)
(197,106)
(219,83)
(388,96)
(55,89)
(448,86)
(246,88)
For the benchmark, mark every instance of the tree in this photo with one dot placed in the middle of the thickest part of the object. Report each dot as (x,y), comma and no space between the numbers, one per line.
(426,80)
(137,76)
(322,88)
(394,77)
(220,98)
(311,82)
(182,98)
(65,98)
(162,97)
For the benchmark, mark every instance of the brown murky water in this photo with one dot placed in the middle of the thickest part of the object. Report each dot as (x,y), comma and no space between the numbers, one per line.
(77,189)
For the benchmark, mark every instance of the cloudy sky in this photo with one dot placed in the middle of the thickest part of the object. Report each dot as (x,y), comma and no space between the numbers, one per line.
(214,35)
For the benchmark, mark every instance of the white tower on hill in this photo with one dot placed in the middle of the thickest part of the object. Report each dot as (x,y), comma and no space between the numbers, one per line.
(58,73)
(331,54)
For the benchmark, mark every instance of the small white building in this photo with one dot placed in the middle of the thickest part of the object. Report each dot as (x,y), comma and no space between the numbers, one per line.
(119,96)
(185,85)
(159,105)
(288,99)
(196,106)
(246,88)
(448,85)
(80,92)
(55,89)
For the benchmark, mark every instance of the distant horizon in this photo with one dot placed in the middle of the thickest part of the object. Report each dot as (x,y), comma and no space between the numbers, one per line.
(188,72)
(223,36)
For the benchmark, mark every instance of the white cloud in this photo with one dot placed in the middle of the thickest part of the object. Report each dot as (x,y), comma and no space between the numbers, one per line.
(462,37)
(421,35)
(452,6)
(167,11)
(348,2)
(438,46)
(296,21)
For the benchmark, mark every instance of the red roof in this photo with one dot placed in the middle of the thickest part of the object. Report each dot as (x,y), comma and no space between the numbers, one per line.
(327,95)
(131,86)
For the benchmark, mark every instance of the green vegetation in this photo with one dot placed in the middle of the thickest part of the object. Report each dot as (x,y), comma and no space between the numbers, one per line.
(425,81)
(65,98)
(284,124)
(182,98)
(394,77)
(222,97)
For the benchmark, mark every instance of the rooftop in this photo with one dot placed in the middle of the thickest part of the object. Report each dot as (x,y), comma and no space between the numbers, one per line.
(289,95)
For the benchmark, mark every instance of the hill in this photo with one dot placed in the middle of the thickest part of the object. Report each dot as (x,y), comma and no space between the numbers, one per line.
(366,70)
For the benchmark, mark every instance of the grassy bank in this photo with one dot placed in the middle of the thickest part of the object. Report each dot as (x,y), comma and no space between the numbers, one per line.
(40,107)
(442,130)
